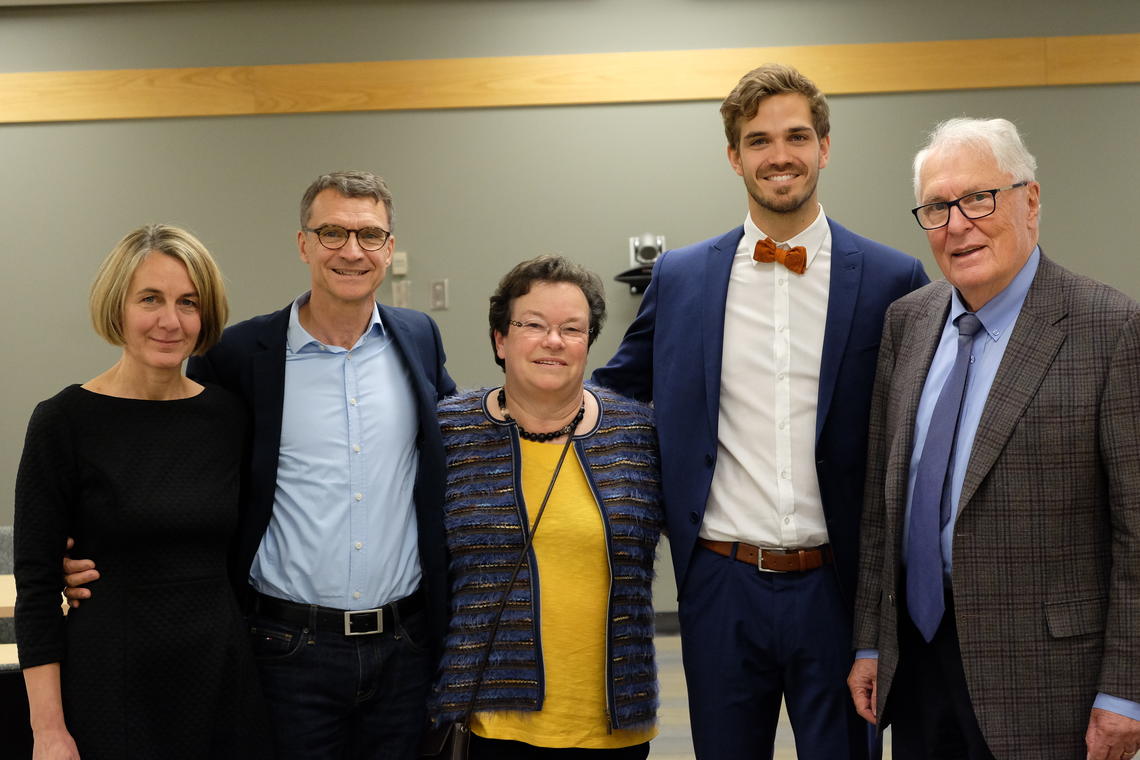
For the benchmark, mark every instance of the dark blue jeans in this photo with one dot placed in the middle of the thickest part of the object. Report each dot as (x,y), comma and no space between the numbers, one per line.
(339,697)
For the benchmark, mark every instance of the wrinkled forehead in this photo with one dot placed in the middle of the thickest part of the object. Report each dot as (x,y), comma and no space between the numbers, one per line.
(959,168)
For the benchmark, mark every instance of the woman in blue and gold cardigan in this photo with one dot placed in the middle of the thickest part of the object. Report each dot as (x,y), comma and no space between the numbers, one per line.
(572,661)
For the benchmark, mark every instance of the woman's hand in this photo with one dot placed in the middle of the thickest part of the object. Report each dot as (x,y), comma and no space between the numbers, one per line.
(54,744)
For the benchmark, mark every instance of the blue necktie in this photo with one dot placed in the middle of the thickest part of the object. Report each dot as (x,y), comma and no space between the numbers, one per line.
(930,502)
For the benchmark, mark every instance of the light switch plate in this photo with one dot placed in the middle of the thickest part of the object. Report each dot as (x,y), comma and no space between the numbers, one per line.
(402,293)
(400,262)
(439,294)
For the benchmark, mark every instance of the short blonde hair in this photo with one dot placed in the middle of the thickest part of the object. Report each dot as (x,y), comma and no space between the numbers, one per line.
(109,291)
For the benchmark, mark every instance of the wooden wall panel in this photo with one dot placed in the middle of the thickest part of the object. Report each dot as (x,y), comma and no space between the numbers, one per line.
(654,76)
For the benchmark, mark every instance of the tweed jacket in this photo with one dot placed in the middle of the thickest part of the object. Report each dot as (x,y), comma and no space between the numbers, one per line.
(484,515)
(1046,572)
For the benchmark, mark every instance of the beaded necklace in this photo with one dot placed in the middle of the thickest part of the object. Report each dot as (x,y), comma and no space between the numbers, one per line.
(541,437)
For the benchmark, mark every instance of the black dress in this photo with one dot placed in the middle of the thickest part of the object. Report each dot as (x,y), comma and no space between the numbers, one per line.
(156,664)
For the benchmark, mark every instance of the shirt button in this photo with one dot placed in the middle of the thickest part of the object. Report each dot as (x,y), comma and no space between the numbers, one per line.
(784,474)
(359,545)
(356,447)
(355,594)
(781,281)
(787,520)
(352,401)
(783,424)
(358,496)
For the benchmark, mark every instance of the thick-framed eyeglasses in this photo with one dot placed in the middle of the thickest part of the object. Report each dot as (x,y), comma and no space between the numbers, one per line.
(975,205)
(536,330)
(333,236)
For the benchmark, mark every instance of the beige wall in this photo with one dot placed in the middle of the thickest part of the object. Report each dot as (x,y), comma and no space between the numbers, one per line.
(478,190)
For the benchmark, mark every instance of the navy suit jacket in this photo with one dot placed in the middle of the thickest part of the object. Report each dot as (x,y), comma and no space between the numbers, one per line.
(250,361)
(671,355)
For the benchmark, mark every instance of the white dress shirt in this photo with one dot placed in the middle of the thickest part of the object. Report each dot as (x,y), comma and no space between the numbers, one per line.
(764,489)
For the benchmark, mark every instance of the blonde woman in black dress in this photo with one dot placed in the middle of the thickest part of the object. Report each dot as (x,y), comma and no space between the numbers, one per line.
(140,465)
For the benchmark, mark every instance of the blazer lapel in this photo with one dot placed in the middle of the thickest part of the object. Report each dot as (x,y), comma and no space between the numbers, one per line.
(1033,346)
(843,291)
(403,340)
(718,270)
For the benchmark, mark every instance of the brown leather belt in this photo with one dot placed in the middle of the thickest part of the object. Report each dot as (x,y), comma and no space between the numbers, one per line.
(778,560)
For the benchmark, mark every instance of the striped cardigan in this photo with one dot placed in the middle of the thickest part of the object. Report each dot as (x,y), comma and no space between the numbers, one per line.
(483,519)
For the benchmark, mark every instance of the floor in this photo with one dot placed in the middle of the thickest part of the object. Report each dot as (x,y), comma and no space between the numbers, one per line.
(673,743)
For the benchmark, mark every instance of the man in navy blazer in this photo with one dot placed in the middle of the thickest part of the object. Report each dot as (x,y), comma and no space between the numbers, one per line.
(758,350)
(340,550)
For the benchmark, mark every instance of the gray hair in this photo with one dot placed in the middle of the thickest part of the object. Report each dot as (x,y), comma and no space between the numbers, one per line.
(351,184)
(998,136)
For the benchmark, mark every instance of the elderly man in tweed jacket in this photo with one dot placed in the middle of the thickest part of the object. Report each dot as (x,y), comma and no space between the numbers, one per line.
(1029,644)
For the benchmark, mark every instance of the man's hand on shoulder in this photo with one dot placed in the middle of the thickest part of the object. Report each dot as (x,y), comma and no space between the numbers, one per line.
(1112,736)
(77,572)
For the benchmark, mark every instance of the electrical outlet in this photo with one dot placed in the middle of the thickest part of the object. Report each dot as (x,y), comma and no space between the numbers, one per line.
(439,295)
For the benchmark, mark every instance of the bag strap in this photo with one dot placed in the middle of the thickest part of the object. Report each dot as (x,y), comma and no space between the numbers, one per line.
(511,583)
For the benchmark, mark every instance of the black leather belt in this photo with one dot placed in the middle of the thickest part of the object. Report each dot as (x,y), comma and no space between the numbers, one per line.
(348,622)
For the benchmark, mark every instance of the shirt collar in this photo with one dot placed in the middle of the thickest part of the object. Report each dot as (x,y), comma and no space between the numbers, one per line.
(297,338)
(1000,312)
(811,237)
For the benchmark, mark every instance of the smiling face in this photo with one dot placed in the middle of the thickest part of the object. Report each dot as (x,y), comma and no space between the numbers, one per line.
(779,156)
(546,363)
(350,274)
(979,257)
(161,320)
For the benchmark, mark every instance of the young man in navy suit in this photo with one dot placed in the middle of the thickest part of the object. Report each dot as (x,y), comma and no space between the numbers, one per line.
(763,437)
(340,548)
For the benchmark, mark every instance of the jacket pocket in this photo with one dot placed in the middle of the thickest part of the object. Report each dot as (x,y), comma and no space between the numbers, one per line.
(1076,617)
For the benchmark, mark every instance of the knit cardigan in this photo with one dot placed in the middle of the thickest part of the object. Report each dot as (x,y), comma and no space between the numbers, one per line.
(483,517)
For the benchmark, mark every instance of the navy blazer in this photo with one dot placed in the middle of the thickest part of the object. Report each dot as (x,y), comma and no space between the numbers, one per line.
(671,355)
(250,361)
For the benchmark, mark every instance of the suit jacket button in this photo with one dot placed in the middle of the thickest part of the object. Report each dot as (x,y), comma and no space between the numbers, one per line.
(694,518)
(709,460)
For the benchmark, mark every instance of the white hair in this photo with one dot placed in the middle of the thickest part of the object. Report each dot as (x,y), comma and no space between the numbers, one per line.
(998,136)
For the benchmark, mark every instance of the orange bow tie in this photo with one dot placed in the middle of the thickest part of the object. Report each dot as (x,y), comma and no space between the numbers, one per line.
(795,259)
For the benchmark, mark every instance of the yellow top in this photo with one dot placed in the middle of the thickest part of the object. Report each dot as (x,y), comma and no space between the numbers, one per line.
(574,590)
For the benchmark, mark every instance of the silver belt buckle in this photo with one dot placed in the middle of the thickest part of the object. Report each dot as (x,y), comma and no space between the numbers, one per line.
(760,557)
(760,561)
(362,618)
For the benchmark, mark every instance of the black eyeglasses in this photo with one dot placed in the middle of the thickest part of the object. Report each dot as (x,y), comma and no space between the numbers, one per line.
(975,205)
(333,236)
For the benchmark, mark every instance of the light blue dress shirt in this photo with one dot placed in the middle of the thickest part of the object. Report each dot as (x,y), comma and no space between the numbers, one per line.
(343,531)
(998,318)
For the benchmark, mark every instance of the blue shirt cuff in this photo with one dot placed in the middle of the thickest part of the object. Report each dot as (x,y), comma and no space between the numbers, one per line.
(1125,707)
(867,654)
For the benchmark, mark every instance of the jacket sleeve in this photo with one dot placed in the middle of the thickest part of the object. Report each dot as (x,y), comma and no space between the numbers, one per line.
(630,371)
(47,493)
(868,595)
(1119,426)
